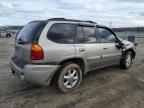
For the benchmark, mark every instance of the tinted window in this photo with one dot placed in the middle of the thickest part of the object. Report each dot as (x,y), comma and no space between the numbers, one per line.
(106,35)
(62,33)
(30,31)
(80,35)
(89,33)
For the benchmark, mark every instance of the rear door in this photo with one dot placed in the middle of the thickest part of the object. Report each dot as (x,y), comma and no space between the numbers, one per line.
(28,35)
(110,52)
(87,46)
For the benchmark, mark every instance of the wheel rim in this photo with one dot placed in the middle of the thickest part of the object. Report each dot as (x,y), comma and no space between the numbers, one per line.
(128,60)
(71,78)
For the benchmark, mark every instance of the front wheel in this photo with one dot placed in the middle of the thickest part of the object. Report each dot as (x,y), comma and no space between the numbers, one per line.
(126,61)
(70,76)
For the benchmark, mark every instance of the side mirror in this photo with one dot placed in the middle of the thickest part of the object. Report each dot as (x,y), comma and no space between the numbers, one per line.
(118,45)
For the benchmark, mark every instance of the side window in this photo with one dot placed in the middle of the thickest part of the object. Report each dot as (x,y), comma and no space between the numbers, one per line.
(106,36)
(62,33)
(80,35)
(90,35)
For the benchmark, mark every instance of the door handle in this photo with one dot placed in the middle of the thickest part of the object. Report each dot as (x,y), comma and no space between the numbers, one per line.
(105,48)
(82,49)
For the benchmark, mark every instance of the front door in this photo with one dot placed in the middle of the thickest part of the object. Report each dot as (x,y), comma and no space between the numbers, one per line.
(110,52)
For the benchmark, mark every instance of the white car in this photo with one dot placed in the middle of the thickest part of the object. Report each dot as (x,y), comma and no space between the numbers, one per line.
(3,34)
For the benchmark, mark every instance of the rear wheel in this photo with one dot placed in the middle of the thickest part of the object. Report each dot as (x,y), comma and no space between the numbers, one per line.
(70,76)
(126,61)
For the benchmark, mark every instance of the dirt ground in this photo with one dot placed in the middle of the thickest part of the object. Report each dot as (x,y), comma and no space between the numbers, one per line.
(110,87)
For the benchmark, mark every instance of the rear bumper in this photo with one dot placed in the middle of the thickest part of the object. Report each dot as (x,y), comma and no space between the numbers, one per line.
(38,74)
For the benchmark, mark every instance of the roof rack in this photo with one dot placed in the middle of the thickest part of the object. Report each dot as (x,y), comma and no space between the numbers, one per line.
(57,19)
(63,19)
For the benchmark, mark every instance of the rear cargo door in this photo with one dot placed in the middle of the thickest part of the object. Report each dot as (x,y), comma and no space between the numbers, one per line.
(28,35)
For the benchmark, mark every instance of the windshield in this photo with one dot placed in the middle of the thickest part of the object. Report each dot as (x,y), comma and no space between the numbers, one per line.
(29,32)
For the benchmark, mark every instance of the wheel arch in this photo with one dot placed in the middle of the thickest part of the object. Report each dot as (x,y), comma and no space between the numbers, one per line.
(78,61)
(132,51)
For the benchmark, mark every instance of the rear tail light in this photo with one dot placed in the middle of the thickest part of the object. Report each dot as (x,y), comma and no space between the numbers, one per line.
(36,52)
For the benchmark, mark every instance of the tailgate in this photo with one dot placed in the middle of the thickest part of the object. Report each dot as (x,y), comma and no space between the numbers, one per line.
(23,52)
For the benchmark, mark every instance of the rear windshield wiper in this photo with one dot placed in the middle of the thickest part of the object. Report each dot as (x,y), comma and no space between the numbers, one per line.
(20,41)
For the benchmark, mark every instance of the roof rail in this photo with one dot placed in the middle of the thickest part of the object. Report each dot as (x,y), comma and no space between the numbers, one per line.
(57,19)
(63,19)
(91,22)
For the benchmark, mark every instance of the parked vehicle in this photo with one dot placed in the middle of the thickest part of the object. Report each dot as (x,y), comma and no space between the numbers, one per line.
(8,34)
(65,50)
(2,33)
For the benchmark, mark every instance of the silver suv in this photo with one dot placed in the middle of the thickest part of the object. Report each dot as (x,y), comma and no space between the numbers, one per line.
(65,50)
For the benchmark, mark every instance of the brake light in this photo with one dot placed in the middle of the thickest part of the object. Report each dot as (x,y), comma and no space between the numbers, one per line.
(36,52)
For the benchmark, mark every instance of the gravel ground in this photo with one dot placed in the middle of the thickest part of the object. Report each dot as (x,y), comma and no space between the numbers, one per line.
(110,87)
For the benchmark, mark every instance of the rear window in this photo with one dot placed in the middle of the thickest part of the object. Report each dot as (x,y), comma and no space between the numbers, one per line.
(30,33)
(62,33)
(90,35)
(80,35)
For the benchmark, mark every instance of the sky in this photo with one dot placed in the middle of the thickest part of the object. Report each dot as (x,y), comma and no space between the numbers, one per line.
(114,13)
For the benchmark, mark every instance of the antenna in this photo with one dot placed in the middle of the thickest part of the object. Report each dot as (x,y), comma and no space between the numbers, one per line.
(110,24)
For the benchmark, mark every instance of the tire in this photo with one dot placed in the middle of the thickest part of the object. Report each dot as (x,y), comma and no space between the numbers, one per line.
(126,60)
(69,78)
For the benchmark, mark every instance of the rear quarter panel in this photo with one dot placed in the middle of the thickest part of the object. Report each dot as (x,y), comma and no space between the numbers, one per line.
(55,52)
